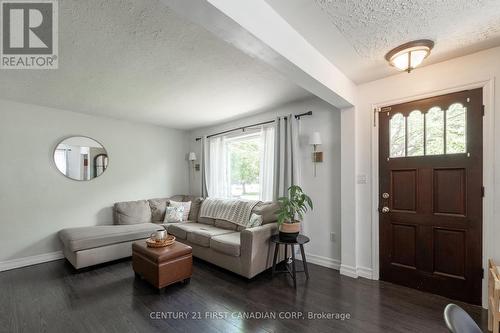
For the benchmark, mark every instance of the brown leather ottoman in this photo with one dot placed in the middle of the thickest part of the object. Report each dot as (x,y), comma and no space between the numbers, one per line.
(162,266)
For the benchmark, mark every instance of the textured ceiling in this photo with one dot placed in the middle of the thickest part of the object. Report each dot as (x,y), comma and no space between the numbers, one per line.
(375,26)
(356,34)
(137,60)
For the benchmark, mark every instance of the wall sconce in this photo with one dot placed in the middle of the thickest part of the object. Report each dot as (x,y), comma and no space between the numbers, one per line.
(317,156)
(192,158)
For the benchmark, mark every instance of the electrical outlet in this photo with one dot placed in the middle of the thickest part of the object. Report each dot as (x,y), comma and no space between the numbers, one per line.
(332,237)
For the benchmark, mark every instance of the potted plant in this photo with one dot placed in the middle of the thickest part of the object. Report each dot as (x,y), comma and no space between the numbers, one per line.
(291,212)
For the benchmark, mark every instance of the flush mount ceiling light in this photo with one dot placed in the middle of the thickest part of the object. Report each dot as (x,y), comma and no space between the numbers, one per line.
(408,56)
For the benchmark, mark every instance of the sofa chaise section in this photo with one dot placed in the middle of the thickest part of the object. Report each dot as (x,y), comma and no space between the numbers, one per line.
(132,220)
(87,246)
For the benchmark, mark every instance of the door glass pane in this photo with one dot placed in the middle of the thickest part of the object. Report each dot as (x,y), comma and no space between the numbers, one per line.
(434,131)
(415,134)
(456,142)
(397,136)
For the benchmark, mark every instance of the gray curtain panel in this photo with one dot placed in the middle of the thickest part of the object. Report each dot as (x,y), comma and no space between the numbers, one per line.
(286,167)
(204,165)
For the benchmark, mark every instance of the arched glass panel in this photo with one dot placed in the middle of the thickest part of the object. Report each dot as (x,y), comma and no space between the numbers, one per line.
(434,131)
(456,141)
(397,136)
(415,134)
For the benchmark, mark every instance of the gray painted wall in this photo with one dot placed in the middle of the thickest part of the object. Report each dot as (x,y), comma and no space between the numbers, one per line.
(36,200)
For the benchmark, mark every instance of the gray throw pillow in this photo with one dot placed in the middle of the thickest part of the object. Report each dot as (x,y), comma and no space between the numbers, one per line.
(132,212)
(268,210)
(158,207)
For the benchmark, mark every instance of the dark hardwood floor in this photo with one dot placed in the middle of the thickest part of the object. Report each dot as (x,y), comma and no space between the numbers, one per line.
(53,297)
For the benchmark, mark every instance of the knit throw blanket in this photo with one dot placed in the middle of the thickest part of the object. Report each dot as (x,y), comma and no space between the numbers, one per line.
(232,210)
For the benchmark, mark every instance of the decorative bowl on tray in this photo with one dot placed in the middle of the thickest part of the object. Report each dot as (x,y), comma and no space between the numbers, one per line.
(169,240)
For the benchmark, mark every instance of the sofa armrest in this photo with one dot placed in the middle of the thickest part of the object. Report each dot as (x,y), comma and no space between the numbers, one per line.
(256,250)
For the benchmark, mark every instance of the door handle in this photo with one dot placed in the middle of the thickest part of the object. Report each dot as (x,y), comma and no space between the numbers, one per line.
(385,210)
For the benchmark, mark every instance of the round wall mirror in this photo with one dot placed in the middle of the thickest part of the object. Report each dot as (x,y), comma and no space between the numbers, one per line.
(81,158)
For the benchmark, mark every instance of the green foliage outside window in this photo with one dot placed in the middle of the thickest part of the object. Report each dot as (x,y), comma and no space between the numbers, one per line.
(245,163)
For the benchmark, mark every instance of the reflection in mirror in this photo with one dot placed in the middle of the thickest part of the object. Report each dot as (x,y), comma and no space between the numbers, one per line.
(80,158)
(456,142)
(100,164)
(434,132)
(397,136)
(415,134)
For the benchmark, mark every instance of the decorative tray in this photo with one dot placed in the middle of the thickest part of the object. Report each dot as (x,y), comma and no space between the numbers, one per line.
(161,243)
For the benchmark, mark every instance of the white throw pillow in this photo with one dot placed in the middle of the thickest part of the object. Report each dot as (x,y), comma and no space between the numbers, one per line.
(255,220)
(174,214)
(186,206)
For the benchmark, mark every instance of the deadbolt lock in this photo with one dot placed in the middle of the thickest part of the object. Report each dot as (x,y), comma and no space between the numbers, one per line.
(385,195)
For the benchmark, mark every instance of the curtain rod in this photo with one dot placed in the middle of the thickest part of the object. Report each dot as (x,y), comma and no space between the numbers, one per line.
(297,116)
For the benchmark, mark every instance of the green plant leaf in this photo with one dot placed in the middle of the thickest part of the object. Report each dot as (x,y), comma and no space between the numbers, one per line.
(295,205)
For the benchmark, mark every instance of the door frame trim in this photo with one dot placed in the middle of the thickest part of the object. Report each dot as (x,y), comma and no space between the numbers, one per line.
(488,87)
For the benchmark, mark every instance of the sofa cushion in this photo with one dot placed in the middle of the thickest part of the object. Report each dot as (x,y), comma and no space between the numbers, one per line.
(132,212)
(184,229)
(181,229)
(83,238)
(267,210)
(228,244)
(203,235)
(158,207)
(206,220)
(225,224)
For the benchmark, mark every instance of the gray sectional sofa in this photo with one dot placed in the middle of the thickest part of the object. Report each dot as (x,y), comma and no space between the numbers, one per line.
(246,252)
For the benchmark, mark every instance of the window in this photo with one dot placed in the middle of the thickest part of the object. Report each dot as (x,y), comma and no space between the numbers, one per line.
(415,134)
(455,129)
(242,166)
(434,131)
(445,132)
(397,134)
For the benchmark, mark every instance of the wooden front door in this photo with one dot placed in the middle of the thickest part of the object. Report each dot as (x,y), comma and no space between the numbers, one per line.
(431,162)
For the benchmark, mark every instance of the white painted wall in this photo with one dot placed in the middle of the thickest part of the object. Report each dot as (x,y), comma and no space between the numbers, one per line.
(36,200)
(475,69)
(324,189)
(348,198)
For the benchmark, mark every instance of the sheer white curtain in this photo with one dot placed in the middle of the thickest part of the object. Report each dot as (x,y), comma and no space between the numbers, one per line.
(278,166)
(217,173)
(267,155)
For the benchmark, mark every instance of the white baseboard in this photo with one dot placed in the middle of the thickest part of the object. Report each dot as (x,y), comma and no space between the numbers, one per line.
(365,272)
(28,261)
(356,272)
(348,271)
(323,261)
